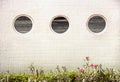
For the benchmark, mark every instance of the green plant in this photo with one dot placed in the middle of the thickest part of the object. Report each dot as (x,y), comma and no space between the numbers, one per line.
(18,78)
(88,73)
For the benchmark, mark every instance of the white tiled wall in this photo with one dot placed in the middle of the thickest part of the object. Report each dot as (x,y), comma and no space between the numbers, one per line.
(45,48)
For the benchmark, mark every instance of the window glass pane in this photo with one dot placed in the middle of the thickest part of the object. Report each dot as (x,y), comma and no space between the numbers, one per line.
(23,24)
(60,24)
(96,24)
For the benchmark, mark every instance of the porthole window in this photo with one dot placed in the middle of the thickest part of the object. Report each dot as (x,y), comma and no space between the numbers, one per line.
(23,24)
(96,24)
(60,24)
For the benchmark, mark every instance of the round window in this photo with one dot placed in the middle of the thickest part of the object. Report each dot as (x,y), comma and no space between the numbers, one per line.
(60,24)
(23,24)
(96,24)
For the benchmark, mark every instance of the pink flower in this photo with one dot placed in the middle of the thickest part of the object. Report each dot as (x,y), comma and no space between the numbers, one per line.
(87,58)
(94,66)
(82,70)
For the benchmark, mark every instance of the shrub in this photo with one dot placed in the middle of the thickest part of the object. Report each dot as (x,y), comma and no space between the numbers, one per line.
(88,73)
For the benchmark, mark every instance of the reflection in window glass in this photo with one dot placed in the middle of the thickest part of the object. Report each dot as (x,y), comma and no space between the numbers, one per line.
(23,24)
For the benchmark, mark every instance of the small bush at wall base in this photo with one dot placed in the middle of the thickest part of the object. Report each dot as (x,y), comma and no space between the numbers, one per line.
(88,73)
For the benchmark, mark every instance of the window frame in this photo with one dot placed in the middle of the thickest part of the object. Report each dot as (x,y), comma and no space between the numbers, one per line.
(28,16)
(100,15)
(57,17)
